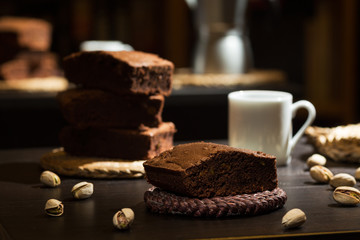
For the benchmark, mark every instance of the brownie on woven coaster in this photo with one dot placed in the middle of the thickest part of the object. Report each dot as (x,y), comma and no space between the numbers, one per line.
(159,201)
(128,144)
(203,169)
(123,72)
(97,108)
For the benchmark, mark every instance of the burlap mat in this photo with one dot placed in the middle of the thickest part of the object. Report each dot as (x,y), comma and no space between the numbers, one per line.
(159,201)
(47,84)
(340,143)
(91,167)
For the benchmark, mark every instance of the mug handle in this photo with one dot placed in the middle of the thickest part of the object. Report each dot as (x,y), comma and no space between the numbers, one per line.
(310,118)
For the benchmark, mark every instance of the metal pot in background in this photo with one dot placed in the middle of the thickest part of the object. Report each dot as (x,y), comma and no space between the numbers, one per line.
(222,45)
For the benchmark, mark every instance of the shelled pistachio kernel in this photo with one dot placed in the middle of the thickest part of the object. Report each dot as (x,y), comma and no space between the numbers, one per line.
(293,218)
(50,179)
(357,174)
(82,190)
(342,179)
(123,218)
(321,174)
(346,195)
(316,159)
(54,207)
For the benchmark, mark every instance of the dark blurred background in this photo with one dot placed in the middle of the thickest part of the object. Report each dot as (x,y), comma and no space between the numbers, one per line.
(314,42)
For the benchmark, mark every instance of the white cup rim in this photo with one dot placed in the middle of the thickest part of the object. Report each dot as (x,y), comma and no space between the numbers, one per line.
(265,95)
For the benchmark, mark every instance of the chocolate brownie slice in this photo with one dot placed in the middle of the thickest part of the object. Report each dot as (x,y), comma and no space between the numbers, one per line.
(24,33)
(207,169)
(123,72)
(118,143)
(97,108)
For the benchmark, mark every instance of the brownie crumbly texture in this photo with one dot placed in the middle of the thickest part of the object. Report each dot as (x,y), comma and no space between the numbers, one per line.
(207,169)
(117,143)
(19,33)
(96,108)
(123,72)
(30,64)
(163,202)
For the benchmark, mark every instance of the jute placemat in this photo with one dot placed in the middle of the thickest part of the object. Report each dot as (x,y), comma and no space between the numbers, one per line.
(47,84)
(91,167)
(340,143)
(183,78)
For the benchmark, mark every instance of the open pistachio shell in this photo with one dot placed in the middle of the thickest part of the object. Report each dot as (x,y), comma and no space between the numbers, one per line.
(54,207)
(346,195)
(123,218)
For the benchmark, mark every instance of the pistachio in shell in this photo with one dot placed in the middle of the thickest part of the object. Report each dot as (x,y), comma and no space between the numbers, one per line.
(321,174)
(50,179)
(316,159)
(123,218)
(293,218)
(82,190)
(345,195)
(342,179)
(54,208)
(357,174)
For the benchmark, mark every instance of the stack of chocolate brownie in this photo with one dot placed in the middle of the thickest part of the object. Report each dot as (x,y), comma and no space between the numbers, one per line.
(24,49)
(115,110)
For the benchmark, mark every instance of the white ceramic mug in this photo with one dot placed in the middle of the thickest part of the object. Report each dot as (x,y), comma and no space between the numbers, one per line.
(262,121)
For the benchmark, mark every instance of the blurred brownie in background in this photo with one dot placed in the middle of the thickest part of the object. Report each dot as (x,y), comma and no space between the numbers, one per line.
(30,65)
(25,49)
(20,33)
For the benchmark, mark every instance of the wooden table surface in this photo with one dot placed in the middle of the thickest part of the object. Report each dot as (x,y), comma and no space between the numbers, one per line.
(22,200)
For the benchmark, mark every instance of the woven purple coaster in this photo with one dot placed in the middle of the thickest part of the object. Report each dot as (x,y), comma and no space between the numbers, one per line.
(159,201)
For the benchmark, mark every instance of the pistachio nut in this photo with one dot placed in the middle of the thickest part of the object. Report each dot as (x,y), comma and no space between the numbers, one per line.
(346,195)
(357,173)
(82,190)
(123,218)
(50,179)
(342,179)
(293,218)
(54,207)
(321,174)
(316,159)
